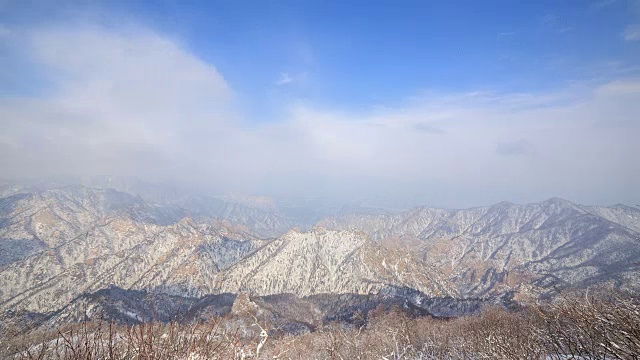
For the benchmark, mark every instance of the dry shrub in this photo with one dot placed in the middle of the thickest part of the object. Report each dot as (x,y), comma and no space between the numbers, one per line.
(575,327)
(107,340)
(589,328)
(595,327)
(494,334)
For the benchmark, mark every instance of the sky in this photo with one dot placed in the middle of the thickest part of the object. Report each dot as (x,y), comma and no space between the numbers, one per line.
(398,103)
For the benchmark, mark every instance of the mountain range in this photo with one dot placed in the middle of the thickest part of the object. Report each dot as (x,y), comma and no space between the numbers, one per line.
(66,245)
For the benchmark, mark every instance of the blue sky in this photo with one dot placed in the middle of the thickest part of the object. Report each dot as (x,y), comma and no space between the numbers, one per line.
(510,91)
(357,54)
(365,53)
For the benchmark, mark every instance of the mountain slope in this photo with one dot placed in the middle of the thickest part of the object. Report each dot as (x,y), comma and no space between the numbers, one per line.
(89,242)
(321,261)
(58,244)
(493,249)
(257,214)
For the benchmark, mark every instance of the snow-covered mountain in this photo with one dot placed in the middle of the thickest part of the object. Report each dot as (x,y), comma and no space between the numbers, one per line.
(258,213)
(497,248)
(58,244)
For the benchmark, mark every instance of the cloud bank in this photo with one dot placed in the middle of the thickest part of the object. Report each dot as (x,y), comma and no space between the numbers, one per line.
(132,102)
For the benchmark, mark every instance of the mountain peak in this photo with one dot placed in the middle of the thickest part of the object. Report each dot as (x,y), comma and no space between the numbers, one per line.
(504,204)
(557,201)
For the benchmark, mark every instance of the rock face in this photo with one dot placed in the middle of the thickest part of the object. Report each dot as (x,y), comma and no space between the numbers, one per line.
(61,244)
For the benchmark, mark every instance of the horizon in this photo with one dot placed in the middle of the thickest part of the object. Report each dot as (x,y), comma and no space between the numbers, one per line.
(441,104)
(245,199)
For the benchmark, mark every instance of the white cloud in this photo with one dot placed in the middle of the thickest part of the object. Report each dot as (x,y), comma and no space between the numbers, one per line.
(289,78)
(581,148)
(123,101)
(602,4)
(285,78)
(632,32)
(136,103)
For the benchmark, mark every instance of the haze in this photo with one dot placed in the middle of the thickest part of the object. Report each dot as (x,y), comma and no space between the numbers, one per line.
(439,104)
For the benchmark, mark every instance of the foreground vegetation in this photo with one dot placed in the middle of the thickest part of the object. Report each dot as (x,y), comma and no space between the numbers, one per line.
(586,327)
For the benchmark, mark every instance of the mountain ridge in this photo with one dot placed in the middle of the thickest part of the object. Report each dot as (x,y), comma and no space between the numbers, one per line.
(64,242)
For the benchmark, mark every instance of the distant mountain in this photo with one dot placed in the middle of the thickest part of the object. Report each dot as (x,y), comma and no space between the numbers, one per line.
(87,239)
(503,247)
(258,213)
(97,238)
(59,245)
(265,223)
